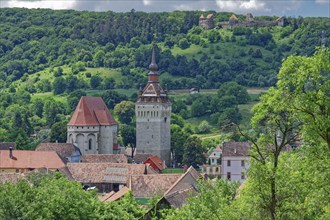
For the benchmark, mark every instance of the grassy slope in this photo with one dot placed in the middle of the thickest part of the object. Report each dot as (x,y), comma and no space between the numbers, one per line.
(220,49)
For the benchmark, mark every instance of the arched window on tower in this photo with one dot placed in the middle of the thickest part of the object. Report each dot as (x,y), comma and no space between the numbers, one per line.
(90,144)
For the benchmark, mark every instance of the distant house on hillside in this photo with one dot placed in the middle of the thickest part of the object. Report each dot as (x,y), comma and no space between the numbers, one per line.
(194,90)
(92,127)
(250,21)
(206,22)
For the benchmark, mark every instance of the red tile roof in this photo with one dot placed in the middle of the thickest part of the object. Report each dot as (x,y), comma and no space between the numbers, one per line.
(217,149)
(106,172)
(149,186)
(91,111)
(184,187)
(64,150)
(103,158)
(24,159)
(155,161)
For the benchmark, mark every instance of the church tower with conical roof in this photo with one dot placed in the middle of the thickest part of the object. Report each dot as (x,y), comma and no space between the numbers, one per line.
(153,114)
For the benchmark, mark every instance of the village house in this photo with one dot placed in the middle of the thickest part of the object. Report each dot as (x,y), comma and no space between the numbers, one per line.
(156,163)
(235,161)
(145,187)
(92,128)
(174,189)
(183,188)
(213,168)
(107,177)
(178,193)
(23,161)
(194,91)
(66,151)
(140,158)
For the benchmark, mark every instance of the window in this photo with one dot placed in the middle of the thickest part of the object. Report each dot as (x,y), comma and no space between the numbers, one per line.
(242,163)
(90,144)
(228,175)
(217,169)
(242,175)
(212,160)
(228,163)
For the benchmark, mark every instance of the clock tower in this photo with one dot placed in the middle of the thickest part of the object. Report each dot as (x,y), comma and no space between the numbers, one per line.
(153,116)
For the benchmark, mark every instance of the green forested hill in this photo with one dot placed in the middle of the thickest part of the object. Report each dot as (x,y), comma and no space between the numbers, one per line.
(33,40)
(70,53)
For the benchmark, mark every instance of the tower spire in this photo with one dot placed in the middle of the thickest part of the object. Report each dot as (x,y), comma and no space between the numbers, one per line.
(153,67)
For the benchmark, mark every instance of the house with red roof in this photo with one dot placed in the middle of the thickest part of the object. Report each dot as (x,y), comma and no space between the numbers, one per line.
(156,163)
(22,161)
(92,127)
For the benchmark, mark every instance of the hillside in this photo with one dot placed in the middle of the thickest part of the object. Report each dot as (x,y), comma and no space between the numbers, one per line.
(34,40)
(48,59)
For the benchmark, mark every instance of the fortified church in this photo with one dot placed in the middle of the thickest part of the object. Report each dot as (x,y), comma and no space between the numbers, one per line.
(92,128)
(94,131)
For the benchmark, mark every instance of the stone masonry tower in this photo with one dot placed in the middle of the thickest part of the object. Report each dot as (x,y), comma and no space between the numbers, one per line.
(153,114)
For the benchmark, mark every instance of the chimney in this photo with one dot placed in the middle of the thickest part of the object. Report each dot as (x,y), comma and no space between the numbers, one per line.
(235,151)
(11,152)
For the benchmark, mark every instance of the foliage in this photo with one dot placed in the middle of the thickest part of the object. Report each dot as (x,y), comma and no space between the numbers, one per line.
(59,85)
(127,132)
(111,98)
(193,154)
(300,182)
(203,127)
(125,111)
(214,201)
(51,196)
(58,132)
(24,201)
(178,138)
(305,84)
(233,89)
(278,124)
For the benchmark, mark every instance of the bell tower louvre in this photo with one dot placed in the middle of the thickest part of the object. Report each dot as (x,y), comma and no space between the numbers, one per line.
(153,116)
